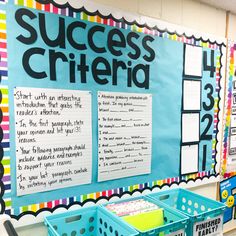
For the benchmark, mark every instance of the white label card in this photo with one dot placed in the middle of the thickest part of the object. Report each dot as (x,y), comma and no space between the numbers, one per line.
(193,61)
(191,95)
(190,127)
(232,141)
(233,120)
(125,135)
(189,159)
(53,136)
(177,233)
(211,227)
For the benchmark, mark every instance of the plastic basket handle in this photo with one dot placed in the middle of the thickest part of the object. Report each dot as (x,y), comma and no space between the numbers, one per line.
(151,232)
(184,222)
(72,219)
(164,197)
(200,217)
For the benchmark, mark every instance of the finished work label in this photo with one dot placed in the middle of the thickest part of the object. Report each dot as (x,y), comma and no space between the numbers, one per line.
(53,139)
(210,227)
(125,135)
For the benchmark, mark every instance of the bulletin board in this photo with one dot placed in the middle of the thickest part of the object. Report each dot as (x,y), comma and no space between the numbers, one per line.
(229,154)
(228,166)
(228,196)
(97,105)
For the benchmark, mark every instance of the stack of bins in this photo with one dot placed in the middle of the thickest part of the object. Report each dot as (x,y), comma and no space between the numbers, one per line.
(199,209)
(175,223)
(90,221)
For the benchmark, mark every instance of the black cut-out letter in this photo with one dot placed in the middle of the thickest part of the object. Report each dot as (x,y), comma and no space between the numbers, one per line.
(19,15)
(137,51)
(113,43)
(91,33)
(151,52)
(26,63)
(98,72)
(70,35)
(59,41)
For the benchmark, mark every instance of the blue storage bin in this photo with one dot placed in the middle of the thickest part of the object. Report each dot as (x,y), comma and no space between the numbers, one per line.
(87,221)
(196,207)
(174,221)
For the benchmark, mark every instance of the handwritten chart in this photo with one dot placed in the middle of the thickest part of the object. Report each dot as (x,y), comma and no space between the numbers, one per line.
(53,139)
(125,134)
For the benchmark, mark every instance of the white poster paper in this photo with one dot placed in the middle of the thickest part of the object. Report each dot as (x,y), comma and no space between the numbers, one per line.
(193,61)
(233,131)
(192,95)
(232,151)
(233,109)
(125,135)
(233,121)
(190,127)
(189,159)
(232,142)
(53,139)
(211,227)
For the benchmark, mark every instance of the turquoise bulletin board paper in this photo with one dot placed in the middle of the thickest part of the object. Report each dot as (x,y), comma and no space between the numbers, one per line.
(165,145)
(165,85)
(206,79)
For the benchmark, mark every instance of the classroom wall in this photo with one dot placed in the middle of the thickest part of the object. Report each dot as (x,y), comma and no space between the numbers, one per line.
(192,14)
(187,13)
(232,26)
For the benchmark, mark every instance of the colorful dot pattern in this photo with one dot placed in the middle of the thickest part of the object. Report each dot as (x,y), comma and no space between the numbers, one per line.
(228,107)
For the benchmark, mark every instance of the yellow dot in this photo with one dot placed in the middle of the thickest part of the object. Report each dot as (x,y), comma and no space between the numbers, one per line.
(224,194)
(230,201)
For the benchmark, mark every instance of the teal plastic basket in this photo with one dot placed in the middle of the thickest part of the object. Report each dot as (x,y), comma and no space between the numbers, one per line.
(87,221)
(196,207)
(174,221)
